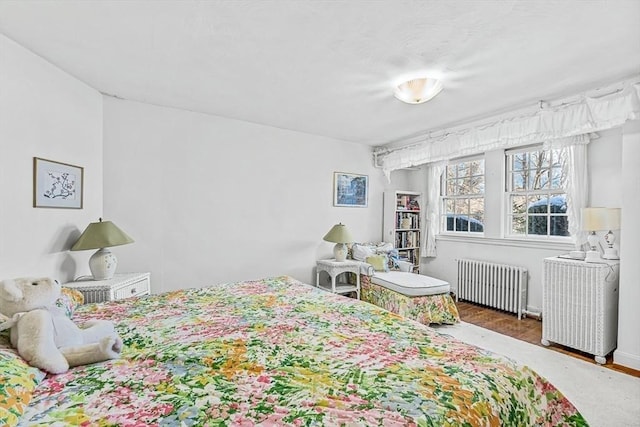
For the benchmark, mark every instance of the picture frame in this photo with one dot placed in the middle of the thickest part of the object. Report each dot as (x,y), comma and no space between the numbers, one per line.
(350,190)
(57,184)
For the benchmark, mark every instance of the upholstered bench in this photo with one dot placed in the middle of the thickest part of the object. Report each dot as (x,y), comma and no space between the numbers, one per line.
(415,296)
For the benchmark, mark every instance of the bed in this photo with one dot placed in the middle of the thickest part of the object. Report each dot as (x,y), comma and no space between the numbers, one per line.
(273,352)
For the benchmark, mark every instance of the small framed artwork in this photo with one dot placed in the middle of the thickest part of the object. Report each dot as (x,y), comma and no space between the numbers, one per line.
(350,190)
(57,185)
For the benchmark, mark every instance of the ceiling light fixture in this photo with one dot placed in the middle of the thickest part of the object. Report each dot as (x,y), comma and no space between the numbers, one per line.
(417,91)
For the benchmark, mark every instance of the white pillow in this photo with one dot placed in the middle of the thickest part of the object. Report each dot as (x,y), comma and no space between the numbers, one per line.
(361,252)
(384,247)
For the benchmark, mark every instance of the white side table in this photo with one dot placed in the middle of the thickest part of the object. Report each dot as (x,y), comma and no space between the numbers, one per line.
(336,268)
(120,286)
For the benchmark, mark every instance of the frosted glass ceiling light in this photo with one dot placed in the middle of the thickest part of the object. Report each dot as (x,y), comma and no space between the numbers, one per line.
(417,91)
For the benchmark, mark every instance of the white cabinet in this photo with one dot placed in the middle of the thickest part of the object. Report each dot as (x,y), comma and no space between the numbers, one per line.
(580,305)
(401,224)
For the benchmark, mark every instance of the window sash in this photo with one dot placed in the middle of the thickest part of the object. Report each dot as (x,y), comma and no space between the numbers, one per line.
(539,177)
(463,211)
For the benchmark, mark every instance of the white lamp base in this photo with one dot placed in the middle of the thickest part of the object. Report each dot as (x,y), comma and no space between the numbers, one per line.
(610,253)
(103,264)
(340,252)
(592,256)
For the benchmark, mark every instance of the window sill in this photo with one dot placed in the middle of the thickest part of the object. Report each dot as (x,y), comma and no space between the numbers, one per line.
(560,245)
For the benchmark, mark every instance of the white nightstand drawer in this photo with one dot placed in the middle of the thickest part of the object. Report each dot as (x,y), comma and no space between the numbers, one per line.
(140,287)
(121,286)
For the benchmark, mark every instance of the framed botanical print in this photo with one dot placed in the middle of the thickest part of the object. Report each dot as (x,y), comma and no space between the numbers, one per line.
(56,184)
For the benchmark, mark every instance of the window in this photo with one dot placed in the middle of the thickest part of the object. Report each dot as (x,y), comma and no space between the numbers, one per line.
(536,199)
(463,201)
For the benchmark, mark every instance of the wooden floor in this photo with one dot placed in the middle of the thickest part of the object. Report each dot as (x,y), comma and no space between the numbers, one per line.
(527,329)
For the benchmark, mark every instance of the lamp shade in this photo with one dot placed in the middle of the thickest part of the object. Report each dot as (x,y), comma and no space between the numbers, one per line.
(338,234)
(101,234)
(417,91)
(613,219)
(594,219)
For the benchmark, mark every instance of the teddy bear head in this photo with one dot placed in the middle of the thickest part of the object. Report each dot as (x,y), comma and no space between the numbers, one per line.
(26,294)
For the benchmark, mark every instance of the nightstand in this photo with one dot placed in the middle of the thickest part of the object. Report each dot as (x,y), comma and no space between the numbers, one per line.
(336,268)
(580,305)
(120,286)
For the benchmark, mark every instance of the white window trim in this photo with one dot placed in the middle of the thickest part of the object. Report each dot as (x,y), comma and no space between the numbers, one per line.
(550,243)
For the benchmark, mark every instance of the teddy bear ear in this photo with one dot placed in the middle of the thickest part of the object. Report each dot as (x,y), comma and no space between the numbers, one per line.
(9,291)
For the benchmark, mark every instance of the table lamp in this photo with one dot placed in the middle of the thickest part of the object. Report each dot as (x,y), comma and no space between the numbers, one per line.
(102,235)
(593,219)
(340,236)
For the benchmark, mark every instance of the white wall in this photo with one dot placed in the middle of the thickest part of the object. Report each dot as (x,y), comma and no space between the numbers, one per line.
(628,351)
(211,200)
(44,113)
(605,157)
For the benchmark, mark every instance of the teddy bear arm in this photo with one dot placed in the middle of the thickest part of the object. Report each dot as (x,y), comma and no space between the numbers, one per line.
(35,343)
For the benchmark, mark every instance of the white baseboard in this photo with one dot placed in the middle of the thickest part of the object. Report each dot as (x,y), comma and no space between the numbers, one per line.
(626,359)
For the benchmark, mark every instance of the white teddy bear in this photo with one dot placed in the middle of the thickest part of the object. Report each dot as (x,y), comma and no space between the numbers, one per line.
(44,336)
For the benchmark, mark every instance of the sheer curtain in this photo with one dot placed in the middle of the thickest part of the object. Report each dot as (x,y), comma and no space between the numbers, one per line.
(576,184)
(432,211)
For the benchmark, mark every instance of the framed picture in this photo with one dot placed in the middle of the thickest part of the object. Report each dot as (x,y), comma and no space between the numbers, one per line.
(350,190)
(56,185)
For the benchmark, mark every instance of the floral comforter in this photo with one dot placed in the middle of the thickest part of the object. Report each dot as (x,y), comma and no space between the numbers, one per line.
(277,351)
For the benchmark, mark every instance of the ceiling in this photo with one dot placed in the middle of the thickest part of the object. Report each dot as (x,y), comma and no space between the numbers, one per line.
(328,67)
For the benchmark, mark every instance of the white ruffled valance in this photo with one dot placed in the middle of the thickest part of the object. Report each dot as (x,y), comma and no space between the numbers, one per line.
(566,121)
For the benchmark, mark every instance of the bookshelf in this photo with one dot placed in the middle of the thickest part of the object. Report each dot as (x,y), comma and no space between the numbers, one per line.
(401,224)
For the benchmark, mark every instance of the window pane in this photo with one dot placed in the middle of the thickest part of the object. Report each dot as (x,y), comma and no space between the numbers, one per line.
(538,178)
(461,206)
(450,222)
(476,207)
(519,181)
(539,159)
(465,186)
(448,206)
(476,219)
(477,167)
(518,204)
(463,169)
(451,187)
(538,204)
(476,185)
(518,224)
(558,203)
(537,225)
(559,225)
(543,180)
(520,161)
(451,172)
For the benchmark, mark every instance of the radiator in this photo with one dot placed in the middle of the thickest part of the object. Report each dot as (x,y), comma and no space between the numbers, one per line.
(580,305)
(500,286)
